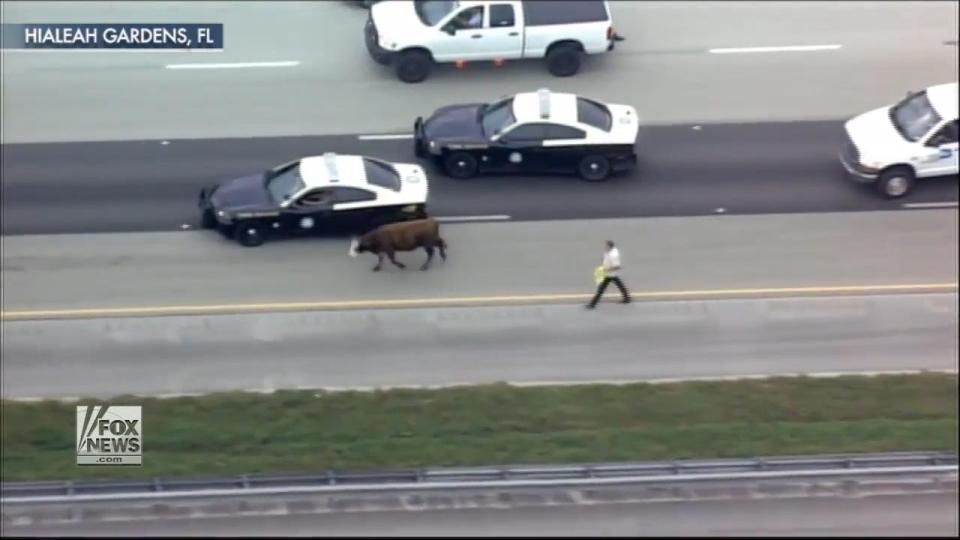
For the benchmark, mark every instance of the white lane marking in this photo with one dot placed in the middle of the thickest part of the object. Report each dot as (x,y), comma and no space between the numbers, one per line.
(234,65)
(455,219)
(385,137)
(930,205)
(789,48)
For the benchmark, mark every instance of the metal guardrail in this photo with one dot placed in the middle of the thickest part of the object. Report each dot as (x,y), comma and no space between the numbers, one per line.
(907,463)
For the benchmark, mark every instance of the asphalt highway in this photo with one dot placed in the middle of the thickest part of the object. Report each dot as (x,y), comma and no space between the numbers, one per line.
(90,271)
(326,84)
(685,171)
(904,515)
(678,269)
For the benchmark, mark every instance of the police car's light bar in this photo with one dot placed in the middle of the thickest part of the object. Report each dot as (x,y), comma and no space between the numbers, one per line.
(544,96)
(330,159)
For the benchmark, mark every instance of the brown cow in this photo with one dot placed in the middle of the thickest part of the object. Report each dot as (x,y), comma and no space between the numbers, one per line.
(403,236)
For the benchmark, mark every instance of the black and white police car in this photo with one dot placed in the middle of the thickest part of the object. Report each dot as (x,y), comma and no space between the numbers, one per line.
(327,193)
(531,133)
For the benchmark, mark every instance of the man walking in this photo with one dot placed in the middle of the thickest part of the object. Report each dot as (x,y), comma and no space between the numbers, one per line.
(611,273)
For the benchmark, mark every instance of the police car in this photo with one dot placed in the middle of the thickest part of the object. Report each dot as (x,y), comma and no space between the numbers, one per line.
(893,146)
(327,193)
(531,133)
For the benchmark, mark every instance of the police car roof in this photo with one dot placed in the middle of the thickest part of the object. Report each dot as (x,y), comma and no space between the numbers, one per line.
(333,169)
(943,97)
(559,107)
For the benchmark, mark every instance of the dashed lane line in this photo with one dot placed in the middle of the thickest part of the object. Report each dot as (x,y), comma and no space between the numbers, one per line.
(235,65)
(385,137)
(787,48)
(945,204)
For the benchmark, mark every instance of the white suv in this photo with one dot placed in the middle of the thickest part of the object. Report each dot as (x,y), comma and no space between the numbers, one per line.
(893,146)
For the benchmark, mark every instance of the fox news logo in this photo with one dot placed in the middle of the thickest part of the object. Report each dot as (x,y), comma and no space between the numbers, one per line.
(109,435)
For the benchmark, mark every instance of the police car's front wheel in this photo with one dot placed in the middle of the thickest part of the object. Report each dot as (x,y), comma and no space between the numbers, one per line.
(594,168)
(895,183)
(460,165)
(248,235)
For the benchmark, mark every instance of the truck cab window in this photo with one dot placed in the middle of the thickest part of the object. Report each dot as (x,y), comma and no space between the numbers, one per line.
(468,19)
(946,135)
(501,16)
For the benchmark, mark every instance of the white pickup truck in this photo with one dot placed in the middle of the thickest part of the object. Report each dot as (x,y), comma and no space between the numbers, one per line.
(893,146)
(414,34)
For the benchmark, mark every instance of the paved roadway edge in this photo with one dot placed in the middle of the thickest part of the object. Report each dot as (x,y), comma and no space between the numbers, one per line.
(704,294)
(930,484)
(516,384)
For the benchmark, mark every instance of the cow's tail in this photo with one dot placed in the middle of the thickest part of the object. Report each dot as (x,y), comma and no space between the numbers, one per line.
(442,245)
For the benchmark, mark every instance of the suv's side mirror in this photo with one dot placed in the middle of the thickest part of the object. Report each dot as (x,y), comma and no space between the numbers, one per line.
(450,29)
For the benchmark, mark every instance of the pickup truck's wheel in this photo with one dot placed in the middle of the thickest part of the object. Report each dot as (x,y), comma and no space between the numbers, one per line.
(413,66)
(208,220)
(248,234)
(896,182)
(563,60)
(594,168)
(460,165)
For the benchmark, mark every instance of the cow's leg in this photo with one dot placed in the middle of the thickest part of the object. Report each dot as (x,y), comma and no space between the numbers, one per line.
(429,249)
(379,262)
(394,260)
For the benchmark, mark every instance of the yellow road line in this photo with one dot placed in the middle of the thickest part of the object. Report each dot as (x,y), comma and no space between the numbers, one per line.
(146,311)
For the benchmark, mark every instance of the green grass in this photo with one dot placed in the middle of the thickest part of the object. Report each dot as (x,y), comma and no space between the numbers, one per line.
(303,431)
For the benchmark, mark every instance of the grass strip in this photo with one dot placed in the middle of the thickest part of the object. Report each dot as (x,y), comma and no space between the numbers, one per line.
(307,431)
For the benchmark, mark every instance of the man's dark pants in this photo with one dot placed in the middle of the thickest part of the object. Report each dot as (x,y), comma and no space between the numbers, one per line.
(603,286)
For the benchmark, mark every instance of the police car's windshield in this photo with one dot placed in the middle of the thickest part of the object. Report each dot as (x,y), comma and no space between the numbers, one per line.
(432,11)
(914,117)
(381,174)
(496,117)
(282,182)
